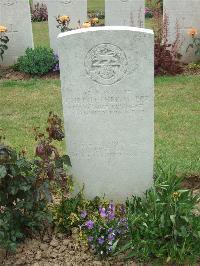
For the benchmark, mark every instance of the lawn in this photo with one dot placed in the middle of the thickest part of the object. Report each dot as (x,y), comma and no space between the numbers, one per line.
(25,105)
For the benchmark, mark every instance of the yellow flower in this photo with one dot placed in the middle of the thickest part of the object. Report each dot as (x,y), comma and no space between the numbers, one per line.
(175,195)
(3,29)
(86,24)
(94,20)
(64,19)
(192,32)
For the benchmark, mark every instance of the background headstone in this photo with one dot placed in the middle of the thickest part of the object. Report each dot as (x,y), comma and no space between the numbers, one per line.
(183,15)
(15,15)
(124,13)
(76,9)
(107,81)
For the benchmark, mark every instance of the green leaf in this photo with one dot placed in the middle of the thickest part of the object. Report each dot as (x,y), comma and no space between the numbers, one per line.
(3,171)
(172,218)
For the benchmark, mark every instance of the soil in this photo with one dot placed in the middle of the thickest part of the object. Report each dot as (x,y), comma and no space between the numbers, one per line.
(10,74)
(55,250)
(192,182)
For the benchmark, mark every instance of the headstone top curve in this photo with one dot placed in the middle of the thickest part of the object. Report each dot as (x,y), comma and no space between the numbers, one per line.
(106,28)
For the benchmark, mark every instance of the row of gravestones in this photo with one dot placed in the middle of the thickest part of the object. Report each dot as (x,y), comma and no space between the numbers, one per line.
(15,15)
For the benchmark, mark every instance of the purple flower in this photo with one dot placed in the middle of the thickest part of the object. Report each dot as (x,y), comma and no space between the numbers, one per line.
(123,209)
(101,240)
(110,230)
(83,214)
(123,221)
(89,224)
(102,212)
(90,238)
(111,237)
(111,211)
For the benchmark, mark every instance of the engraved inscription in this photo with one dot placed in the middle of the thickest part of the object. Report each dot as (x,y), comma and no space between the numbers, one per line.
(106,63)
(94,102)
(9,3)
(66,2)
(107,150)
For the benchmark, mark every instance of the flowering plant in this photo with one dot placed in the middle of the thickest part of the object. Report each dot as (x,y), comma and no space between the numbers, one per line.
(63,23)
(39,13)
(195,41)
(92,22)
(103,229)
(3,41)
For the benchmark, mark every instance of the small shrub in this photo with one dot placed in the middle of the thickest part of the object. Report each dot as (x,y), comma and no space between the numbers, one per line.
(162,225)
(22,206)
(38,61)
(26,186)
(39,13)
(166,55)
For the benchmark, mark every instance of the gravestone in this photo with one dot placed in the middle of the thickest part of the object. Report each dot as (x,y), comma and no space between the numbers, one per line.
(15,15)
(75,9)
(182,16)
(124,13)
(107,81)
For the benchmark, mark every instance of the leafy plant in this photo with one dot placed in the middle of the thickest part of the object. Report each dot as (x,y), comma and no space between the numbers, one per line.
(104,226)
(166,55)
(96,14)
(162,225)
(22,206)
(38,61)
(39,13)
(66,213)
(63,23)
(3,41)
(26,186)
(195,41)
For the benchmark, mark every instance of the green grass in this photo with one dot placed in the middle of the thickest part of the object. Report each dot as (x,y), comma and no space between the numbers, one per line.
(96,5)
(41,34)
(25,105)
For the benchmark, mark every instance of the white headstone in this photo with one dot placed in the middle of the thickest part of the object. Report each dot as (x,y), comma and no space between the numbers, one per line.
(184,15)
(15,15)
(75,9)
(124,13)
(107,81)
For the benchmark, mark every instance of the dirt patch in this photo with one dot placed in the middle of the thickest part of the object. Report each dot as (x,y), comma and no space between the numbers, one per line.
(10,74)
(192,182)
(52,249)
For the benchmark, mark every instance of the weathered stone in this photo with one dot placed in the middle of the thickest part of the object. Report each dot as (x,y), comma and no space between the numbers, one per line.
(75,9)
(182,16)
(107,92)
(124,13)
(15,15)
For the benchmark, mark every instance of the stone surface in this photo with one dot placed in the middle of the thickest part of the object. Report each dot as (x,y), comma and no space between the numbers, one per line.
(107,92)
(183,15)
(124,13)
(76,9)
(15,15)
